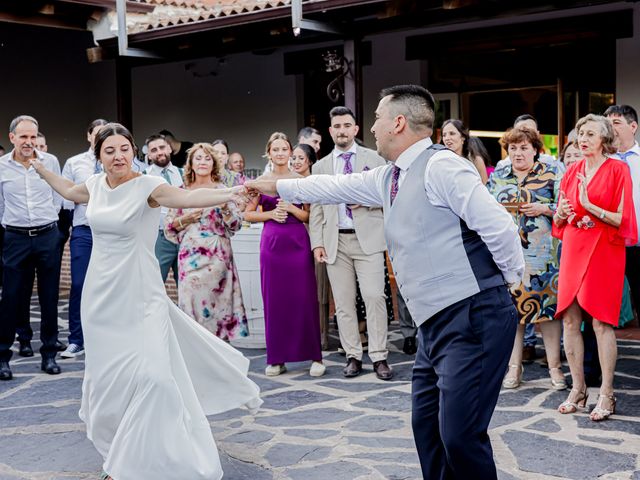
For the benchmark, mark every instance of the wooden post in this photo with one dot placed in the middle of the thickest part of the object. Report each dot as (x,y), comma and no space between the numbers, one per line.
(123,93)
(353,82)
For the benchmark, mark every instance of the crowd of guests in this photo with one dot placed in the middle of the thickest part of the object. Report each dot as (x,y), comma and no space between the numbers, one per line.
(575,216)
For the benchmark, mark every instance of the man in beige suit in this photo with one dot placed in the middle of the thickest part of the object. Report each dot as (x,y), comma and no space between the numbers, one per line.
(350,240)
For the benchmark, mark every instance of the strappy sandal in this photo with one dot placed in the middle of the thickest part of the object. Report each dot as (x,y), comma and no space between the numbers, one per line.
(561,383)
(599,414)
(572,407)
(513,382)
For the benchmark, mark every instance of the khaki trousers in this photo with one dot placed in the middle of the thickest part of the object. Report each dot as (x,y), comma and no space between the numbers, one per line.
(350,262)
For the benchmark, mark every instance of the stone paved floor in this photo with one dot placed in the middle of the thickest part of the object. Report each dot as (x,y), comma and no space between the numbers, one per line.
(330,427)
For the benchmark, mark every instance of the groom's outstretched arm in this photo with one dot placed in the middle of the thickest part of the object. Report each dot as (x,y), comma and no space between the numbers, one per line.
(357,188)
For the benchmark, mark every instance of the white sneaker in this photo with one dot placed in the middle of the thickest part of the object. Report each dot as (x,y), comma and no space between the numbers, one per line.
(274,370)
(72,351)
(317,369)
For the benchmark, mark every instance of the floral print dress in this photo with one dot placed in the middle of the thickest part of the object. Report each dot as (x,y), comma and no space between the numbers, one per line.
(537,297)
(209,287)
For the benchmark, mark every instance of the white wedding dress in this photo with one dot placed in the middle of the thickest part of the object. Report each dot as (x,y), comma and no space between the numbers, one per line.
(152,373)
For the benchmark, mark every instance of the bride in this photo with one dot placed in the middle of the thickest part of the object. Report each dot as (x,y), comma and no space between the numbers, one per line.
(151,373)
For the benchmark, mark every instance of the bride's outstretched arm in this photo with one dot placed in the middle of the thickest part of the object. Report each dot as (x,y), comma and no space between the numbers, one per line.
(172,197)
(65,187)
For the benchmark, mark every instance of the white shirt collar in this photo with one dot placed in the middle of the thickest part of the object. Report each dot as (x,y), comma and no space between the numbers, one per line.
(407,157)
(169,167)
(39,155)
(635,149)
(337,152)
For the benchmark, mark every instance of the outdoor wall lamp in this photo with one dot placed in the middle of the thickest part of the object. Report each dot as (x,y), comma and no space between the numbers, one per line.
(335,63)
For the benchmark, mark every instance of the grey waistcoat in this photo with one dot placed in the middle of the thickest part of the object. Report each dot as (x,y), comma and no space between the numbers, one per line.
(437,260)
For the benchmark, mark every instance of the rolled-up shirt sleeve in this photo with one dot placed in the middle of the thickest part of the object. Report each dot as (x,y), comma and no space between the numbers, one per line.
(453,182)
(357,188)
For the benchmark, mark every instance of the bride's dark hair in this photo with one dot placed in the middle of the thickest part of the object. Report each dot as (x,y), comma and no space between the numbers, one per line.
(109,130)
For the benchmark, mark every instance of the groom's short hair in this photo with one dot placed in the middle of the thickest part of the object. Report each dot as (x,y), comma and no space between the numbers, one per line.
(414,102)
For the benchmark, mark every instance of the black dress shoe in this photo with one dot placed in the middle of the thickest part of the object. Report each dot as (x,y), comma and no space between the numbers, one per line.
(50,366)
(353,368)
(61,347)
(383,370)
(5,371)
(410,347)
(25,350)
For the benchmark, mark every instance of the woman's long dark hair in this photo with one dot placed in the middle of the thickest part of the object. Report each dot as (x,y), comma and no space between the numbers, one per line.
(109,130)
(309,152)
(464,133)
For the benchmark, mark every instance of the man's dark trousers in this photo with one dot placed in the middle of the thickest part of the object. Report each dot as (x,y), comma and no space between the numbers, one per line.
(80,246)
(462,357)
(24,255)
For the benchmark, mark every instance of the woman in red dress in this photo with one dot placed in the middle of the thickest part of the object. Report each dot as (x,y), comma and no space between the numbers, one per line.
(595,220)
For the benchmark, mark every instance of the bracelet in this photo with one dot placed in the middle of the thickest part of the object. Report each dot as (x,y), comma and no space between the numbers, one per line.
(560,216)
(602,214)
(180,222)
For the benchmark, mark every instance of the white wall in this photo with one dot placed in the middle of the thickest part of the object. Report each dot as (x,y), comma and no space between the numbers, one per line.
(45,74)
(247,99)
(628,66)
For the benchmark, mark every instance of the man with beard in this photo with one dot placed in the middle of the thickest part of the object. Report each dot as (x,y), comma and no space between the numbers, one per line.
(350,240)
(159,154)
(29,212)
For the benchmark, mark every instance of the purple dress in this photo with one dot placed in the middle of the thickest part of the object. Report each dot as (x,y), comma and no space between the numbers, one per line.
(292,326)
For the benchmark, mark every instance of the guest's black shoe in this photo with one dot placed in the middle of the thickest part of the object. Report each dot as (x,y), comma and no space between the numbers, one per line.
(410,347)
(50,366)
(61,347)
(353,368)
(383,370)
(25,349)
(5,371)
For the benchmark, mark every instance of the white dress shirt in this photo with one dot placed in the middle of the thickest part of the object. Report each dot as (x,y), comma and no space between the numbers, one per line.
(632,158)
(450,182)
(26,200)
(77,169)
(338,167)
(175,175)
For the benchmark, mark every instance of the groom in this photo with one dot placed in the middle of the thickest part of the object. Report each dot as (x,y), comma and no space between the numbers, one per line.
(454,250)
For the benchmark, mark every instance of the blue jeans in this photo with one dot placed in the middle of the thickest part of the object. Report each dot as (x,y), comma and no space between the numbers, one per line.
(530,338)
(80,245)
(167,255)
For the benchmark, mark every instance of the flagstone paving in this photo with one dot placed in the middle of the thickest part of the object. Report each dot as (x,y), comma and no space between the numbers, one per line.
(330,427)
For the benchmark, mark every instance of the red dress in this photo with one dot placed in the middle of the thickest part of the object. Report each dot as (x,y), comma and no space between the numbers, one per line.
(593,252)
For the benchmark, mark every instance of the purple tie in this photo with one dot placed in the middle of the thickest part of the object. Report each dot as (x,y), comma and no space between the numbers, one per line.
(348,168)
(395,176)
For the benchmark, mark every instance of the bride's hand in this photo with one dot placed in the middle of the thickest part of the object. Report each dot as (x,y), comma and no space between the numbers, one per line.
(37,165)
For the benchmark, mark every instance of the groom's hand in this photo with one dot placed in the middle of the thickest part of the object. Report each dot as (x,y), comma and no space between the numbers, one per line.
(265,186)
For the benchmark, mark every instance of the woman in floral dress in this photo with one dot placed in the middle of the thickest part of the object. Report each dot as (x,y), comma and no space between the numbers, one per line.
(209,287)
(529,190)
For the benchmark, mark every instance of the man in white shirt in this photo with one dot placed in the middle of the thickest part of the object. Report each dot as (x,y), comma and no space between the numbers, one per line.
(78,169)
(159,154)
(350,240)
(29,213)
(625,125)
(453,250)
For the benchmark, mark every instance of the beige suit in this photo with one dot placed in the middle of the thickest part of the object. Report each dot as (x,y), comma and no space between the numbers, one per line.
(350,255)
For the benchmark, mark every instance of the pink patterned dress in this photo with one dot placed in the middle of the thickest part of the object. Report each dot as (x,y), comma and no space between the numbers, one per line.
(209,287)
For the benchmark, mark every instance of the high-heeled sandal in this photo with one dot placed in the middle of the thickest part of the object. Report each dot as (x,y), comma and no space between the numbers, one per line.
(572,407)
(513,382)
(603,413)
(560,384)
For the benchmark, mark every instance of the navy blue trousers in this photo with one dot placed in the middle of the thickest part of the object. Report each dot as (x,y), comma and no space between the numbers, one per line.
(462,357)
(23,256)
(80,245)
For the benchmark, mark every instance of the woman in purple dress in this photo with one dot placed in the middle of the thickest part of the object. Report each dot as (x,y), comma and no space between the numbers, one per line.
(287,272)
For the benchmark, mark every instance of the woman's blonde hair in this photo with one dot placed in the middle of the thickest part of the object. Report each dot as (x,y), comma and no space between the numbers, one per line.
(276,136)
(606,131)
(189,174)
